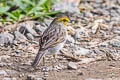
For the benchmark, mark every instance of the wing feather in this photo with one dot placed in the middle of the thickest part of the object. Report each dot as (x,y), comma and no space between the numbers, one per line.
(52,36)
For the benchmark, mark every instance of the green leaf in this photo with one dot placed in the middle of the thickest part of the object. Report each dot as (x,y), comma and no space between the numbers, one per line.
(35,9)
(4,9)
(29,2)
(47,5)
(41,2)
(52,13)
(11,16)
(16,13)
(19,3)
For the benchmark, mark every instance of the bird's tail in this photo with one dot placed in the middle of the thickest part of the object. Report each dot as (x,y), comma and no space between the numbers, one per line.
(38,58)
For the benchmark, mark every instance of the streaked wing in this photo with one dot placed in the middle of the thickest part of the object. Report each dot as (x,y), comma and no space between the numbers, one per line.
(52,36)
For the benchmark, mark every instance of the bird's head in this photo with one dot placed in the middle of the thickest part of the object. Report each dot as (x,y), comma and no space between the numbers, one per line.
(62,18)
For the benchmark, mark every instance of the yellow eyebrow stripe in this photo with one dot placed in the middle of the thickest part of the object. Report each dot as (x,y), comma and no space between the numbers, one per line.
(61,19)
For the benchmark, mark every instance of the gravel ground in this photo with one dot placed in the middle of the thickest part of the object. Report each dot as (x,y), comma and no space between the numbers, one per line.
(92,51)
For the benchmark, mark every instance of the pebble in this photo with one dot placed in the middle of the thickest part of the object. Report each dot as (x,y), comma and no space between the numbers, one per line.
(80,32)
(93,79)
(115,43)
(19,36)
(29,29)
(3,64)
(40,28)
(66,7)
(80,51)
(39,79)
(6,38)
(4,58)
(2,72)
(30,77)
(48,22)
(80,72)
(30,36)
(45,74)
(70,39)
(72,65)
(6,78)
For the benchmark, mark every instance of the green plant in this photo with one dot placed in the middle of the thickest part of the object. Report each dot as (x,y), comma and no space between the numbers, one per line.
(15,10)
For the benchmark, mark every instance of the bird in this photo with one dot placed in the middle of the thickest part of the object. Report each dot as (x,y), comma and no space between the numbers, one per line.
(53,38)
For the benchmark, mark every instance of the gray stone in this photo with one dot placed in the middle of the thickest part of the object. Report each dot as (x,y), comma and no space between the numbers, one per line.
(18,51)
(93,79)
(40,28)
(27,28)
(79,50)
(6,37)
(45,74)
(19,36)
(3,64)
(2,72)
(66,7)
(115,18)
(6,78)
(30,36)
(115,43)
(30,77)
(88,14)
(48,22)
(4,57)
(80,72)
(70,39)
(39,79)
(31,30)
(117,30)
(72,65)
(80,32)
(8,27)
(15,42)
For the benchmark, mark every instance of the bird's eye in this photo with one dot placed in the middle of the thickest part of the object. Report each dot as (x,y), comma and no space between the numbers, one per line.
(64,20)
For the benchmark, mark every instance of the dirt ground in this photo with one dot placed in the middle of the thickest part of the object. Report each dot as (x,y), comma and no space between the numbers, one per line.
(97,70)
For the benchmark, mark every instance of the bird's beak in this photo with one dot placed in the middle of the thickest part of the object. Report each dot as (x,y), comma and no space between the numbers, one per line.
(69,21)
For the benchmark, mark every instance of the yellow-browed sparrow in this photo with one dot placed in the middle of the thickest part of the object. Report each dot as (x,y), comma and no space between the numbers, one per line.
(53,38)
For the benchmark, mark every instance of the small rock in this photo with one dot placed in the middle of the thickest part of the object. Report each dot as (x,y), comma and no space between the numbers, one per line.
(15,42)
(7,27)
(31,30)
(30,36)
(70,39)
(82,32)
(48,22)
(66,7)
(80,72)
(35,42)
(3,64)
(18,51)
(93,79)
(4,57)
(2,72)
(40,28)
(80,51)
(45,74)
(115,43)
(11,72)
(20,36)
(38,79)
(88,14)
(6,37)
(72,65)
(27,28)
(30,77)
(6,78)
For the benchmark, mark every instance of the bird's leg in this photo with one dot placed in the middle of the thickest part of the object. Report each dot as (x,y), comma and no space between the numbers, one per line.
(43,61)
(54,56)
